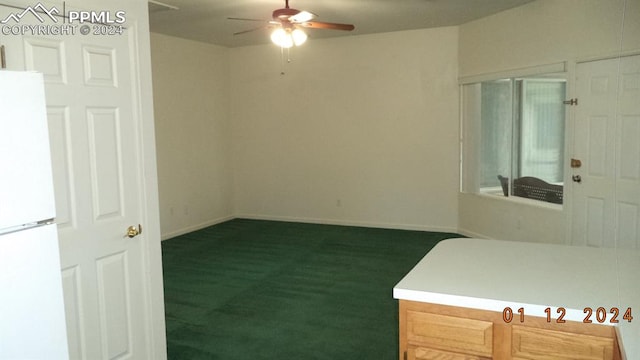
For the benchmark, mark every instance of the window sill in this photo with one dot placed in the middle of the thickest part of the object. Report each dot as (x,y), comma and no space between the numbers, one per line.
(499,196)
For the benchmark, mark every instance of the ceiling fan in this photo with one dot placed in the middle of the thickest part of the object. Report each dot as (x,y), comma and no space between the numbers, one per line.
(287,23)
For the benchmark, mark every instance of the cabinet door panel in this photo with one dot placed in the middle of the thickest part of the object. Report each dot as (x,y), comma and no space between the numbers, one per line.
(539,344)
(420,353)
(450,333)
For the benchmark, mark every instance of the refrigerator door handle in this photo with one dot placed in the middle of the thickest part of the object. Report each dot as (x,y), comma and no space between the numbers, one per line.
(27,226)
(46,222)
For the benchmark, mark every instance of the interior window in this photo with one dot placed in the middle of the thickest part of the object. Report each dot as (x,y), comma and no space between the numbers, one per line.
(519,127)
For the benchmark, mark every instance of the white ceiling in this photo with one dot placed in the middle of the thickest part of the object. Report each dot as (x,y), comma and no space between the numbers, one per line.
(206,20)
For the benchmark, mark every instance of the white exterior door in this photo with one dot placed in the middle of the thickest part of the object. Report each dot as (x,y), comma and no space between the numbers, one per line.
(96,125)
(606,202)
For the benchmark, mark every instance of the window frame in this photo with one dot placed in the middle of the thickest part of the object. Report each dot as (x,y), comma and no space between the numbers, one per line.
(470,161)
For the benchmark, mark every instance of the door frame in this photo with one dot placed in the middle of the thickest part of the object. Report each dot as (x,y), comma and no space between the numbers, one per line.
(142,88)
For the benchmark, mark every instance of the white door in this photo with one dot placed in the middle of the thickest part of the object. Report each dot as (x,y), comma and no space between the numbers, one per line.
(95,123)
(606,201)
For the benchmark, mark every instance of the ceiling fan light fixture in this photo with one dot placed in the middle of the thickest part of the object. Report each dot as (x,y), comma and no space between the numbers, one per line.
(299,37)
(281,38)
(286,38)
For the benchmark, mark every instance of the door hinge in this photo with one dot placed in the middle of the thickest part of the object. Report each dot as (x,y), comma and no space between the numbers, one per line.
(3,61)
(405,355)
(571,102)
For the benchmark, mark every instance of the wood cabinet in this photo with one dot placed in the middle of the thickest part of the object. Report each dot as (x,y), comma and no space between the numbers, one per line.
(440,332)
(421,353)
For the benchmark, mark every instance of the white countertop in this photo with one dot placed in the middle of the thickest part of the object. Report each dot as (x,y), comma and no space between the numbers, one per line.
(492,275)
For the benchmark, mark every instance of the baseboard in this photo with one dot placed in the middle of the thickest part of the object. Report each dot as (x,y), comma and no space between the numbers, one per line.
(189,229)
(172,234)
(473,234)
(349,223)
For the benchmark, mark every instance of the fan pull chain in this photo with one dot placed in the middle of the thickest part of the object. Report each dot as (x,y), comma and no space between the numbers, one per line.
(282,62)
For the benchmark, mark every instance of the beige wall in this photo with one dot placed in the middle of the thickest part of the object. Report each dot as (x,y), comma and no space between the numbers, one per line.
(351,134)
(360,130)
(548,31)
(191,97)
(542,32)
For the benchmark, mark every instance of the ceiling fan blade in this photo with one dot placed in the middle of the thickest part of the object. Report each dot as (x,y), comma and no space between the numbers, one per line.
(250,30)
(302,16)
(326,25)
(245,19)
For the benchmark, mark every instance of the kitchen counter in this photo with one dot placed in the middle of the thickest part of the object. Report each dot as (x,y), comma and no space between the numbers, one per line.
(494,275)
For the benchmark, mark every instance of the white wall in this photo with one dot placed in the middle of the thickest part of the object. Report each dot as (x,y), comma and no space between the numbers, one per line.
(360,130)
(548,31)
(541,32)
(191,105)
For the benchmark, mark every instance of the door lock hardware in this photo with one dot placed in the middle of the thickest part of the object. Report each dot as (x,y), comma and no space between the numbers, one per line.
(132,231)
(571,102)
(575,163)
(577,178)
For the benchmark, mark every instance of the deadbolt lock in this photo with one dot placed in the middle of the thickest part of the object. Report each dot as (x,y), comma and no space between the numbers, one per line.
(575,163)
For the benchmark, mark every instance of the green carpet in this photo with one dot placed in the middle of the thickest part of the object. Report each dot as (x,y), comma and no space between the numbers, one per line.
(249,289)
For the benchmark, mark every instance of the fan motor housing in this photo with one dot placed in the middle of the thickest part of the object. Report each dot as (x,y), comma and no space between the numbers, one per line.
(284,14)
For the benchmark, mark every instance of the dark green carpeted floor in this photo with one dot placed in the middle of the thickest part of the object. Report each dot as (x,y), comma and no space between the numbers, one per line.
(249,289)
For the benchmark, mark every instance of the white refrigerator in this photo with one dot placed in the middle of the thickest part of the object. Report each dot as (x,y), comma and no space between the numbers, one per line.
(32,319)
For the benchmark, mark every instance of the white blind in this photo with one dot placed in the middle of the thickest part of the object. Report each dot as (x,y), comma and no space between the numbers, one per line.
(542,129)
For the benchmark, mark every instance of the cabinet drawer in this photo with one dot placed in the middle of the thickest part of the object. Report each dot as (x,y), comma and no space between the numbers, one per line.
(450,333)
(540,344)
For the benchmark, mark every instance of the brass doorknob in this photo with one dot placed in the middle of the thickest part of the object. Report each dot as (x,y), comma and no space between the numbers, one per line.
(575,163)
(132,231)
